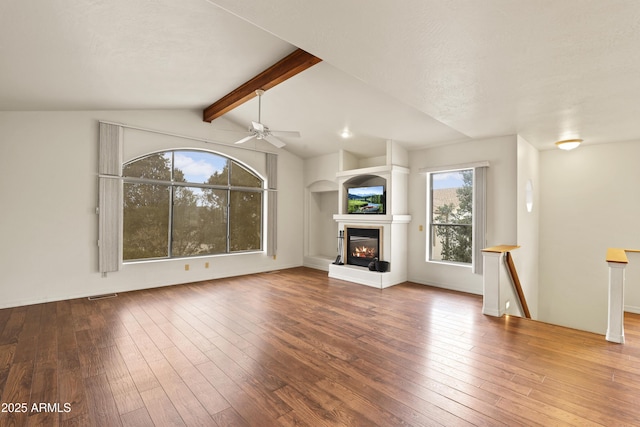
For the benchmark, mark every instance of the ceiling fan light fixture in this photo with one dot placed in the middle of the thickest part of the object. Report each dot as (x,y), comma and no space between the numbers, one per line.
(568,144)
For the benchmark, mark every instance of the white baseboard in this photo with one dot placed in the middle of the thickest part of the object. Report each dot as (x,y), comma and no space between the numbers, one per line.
(632,309)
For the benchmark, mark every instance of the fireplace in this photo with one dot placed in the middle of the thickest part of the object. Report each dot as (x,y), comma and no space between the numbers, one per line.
(362,245)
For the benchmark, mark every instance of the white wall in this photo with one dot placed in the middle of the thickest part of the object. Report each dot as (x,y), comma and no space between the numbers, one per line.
(526,257)
(589,201)
(48,225)
(501,206)
(322,169)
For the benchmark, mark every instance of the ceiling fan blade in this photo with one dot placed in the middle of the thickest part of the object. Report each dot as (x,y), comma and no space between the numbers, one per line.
(285,133)
(275,141)
(246,138)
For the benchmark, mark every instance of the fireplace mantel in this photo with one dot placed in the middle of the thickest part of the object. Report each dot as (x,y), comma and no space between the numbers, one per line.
(372,219)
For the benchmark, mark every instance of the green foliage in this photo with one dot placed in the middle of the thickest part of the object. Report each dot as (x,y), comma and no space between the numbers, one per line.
(146,221)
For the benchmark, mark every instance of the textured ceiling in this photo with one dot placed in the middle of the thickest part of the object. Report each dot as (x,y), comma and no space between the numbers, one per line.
(421,72)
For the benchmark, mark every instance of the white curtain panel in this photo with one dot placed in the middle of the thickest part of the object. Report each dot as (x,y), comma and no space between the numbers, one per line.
(109,196)
(272,203)
(479,217)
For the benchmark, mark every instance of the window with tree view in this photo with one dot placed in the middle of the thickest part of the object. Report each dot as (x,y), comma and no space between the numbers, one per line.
(186,203)
(451,216)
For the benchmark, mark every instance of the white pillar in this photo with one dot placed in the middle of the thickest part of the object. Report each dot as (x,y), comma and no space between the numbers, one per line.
(615,327)
(491,283)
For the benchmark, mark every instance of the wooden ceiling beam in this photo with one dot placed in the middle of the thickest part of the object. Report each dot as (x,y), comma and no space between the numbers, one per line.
(284,69)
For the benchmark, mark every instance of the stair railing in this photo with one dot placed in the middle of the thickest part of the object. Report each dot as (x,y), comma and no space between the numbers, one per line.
(491,280)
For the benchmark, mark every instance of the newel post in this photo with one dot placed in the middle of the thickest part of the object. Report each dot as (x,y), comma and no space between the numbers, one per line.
(492,263)
(617,261)
(491,283)
(615,323)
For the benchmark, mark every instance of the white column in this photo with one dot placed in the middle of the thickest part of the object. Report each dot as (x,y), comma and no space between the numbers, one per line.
(615,327)
(491,283)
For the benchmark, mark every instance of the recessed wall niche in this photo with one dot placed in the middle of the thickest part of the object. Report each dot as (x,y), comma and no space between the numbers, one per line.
(367,187)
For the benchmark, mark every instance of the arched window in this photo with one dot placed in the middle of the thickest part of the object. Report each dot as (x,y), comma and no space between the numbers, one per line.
(184,203)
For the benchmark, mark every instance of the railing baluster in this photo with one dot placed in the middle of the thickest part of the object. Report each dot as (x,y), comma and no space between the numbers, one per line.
(516,284)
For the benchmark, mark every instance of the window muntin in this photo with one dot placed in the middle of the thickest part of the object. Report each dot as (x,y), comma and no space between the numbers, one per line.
(451,216)
(185,203)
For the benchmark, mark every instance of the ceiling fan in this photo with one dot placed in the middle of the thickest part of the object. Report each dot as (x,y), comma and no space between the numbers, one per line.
(260,131)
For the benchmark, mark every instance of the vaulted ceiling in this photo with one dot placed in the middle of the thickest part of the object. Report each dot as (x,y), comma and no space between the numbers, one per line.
(422,72)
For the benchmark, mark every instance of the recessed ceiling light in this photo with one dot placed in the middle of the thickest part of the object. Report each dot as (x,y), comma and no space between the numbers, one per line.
(568,144)
(346,133)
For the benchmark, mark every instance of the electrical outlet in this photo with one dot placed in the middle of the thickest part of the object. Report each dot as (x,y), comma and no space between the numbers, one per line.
(420,228)
(206,265)
(186,267)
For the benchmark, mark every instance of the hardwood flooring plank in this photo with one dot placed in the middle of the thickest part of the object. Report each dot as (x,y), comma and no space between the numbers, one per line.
(6,360)
(183,400)
(205,392)
(138,367)
(244,404)
(16,392)
(253,382)
(160,408)
(138,418)
(71,390)
(123,387)
(44,390)
(295,347)
(102,406)
(13,326)
(230,418)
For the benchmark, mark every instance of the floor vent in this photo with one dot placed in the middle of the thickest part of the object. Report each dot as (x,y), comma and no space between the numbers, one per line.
(105,296)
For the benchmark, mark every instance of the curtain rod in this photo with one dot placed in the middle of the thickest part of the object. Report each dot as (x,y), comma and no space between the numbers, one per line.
(471,165)
(192,138)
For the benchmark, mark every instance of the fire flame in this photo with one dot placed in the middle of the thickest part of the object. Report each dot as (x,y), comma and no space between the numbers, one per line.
(363,252)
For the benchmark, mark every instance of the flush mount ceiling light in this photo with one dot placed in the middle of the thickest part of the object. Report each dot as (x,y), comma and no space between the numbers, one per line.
(568,144)
(346,133)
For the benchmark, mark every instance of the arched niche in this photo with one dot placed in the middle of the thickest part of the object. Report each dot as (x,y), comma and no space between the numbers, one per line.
(365,181)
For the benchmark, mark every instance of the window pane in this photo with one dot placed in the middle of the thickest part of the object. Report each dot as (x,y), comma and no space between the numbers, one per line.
(241,177)
(451,216)
(155,166)
(451,243)
(200,167)
(199,221)
(245,220)
(146,221)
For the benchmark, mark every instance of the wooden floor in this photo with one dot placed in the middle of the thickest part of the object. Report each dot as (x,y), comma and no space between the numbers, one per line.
(297,348)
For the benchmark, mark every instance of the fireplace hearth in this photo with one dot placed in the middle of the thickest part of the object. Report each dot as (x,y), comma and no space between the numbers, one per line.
(362,245)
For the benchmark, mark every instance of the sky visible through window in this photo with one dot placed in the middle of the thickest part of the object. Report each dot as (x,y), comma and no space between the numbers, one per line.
(447,180)
(198,166)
